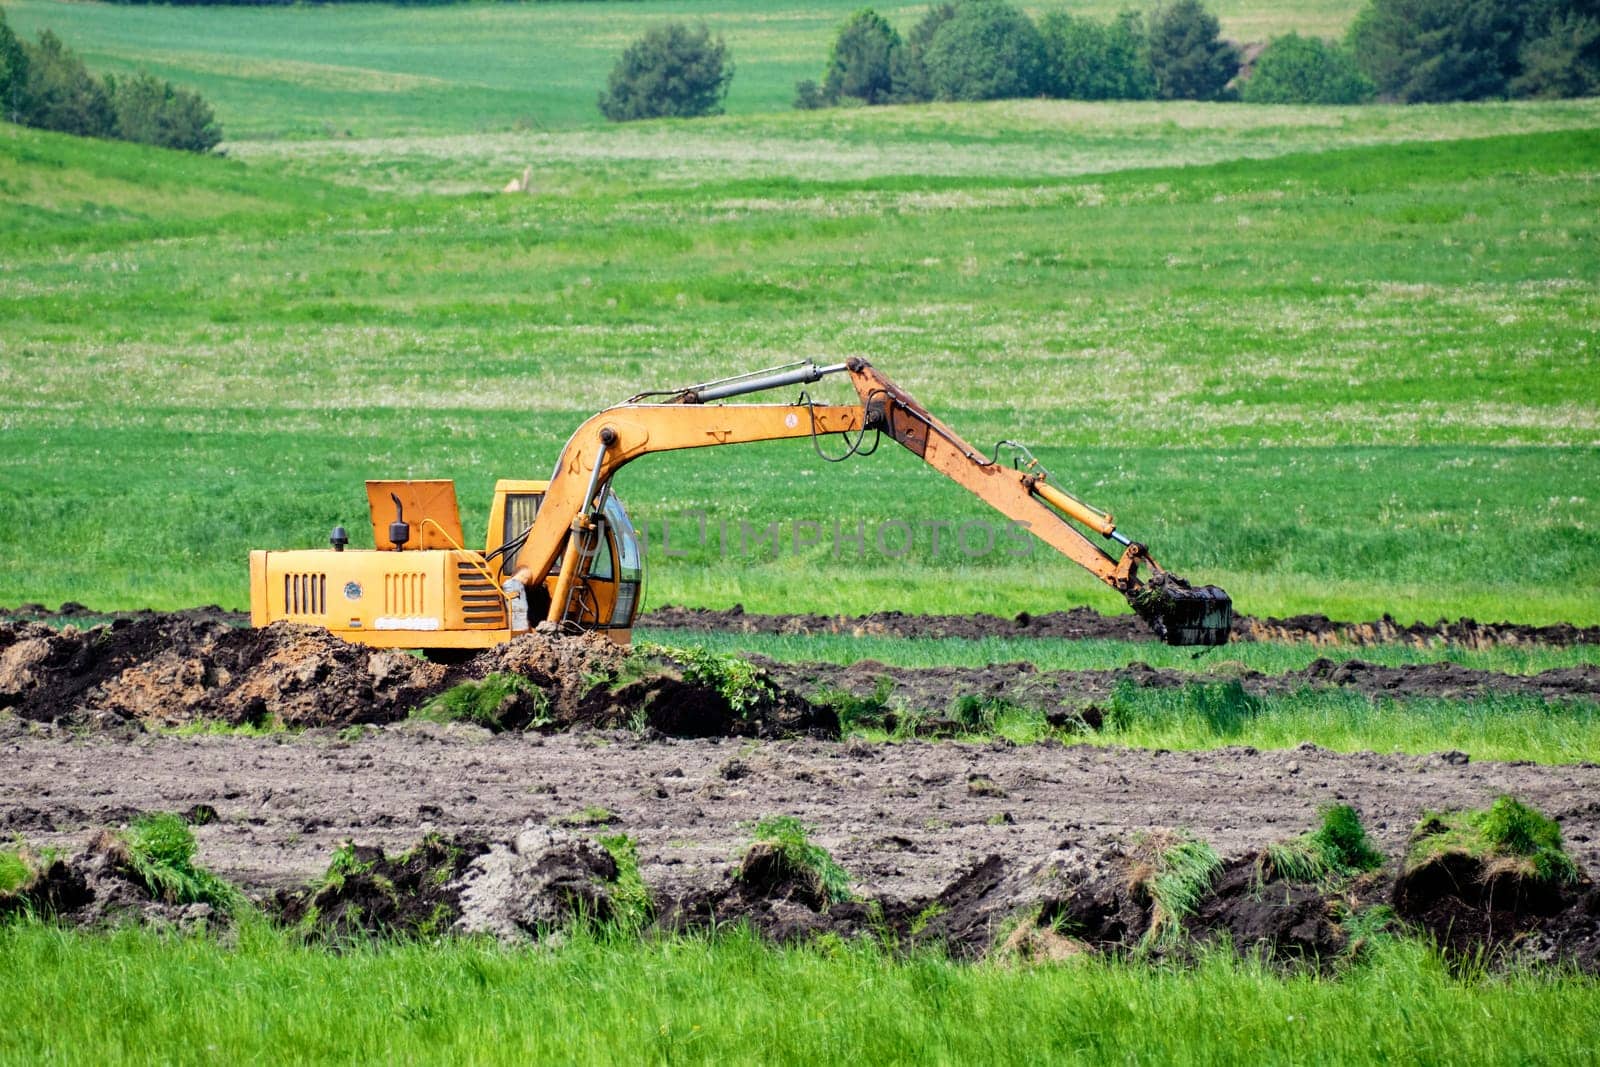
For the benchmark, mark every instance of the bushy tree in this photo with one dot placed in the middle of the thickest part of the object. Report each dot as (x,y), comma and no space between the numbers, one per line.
(1420,51)
(909,68)
(861,65)
(672,71)
(13,74)
(1190,59)
(62,95)
(151,111)
(987,50)
(1089,60)
(1560,52)
(1306,70)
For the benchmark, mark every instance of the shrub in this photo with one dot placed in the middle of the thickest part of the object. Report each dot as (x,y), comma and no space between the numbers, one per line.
(1306,70)
(1189,58)
(13,73)
(1088,60)
(808,95)
(861,64)
(1560,54)
(62,95)
(987,50)
(151,111)
(672,71)
(908,67)
(1420,51)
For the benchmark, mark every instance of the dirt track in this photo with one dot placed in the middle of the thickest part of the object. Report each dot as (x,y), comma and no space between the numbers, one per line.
(903,819)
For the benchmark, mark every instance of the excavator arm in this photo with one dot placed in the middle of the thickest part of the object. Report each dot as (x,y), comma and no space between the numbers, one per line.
(1177,612)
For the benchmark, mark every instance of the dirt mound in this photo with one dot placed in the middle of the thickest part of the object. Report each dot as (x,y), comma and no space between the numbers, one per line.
(564,666)
(526,887)
(100,886)
(701,699)
(1088,624)
(1278,918)
(172,670)
(536,883)
(1474,906)
(367,892)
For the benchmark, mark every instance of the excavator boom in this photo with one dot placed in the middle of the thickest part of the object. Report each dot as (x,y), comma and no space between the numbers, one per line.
(565,523)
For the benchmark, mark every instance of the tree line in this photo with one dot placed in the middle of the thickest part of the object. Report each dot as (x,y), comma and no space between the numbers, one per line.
(44,84)
(1408,51)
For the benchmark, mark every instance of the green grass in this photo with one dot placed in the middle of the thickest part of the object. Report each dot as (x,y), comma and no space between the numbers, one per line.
(1207,715)
(379,70)
(1337,848)
(1506,831)
(161,850)
(1051,654)
(801,857)
(734,1000)
(1351,382)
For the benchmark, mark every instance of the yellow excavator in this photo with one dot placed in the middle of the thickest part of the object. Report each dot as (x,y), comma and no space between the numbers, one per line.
(564,551)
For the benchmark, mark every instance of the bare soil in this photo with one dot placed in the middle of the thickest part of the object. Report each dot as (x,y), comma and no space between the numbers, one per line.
(903,819)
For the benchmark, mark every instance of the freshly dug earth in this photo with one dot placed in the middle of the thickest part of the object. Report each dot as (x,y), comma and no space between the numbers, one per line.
(163,671)
(1074,624)
(1086,623)
(176,670)
(99,886)
(955,862)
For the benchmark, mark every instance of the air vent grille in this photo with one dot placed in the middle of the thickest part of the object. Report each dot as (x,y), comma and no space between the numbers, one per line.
(481,602)
(403,595)
(305,594)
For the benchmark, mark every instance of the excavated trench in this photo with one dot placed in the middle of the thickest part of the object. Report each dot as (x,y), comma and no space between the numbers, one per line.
(982,848)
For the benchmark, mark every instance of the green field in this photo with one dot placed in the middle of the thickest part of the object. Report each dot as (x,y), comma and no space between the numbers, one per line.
(1353,381)
(378,71)
(733,1000)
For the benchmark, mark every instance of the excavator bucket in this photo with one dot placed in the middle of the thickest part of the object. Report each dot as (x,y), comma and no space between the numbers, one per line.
(1183,615)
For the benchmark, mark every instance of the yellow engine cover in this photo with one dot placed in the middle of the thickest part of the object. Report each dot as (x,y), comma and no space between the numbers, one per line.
(434,598)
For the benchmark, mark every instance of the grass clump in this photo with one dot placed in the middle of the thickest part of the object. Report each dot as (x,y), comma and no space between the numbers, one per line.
(499,702)
(858,712)
(161,850)
(738,681)
(1176,870)
(783,847)
(1507,833)
(1337,848)
(631,903)
(16,873)
(593,815)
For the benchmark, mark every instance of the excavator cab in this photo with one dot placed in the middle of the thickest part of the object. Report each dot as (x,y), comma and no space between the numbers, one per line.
(611,572)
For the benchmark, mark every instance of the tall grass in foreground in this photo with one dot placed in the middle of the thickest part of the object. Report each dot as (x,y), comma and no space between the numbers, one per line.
(132,996)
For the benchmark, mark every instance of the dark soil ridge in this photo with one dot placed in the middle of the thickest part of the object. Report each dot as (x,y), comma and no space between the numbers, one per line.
(180,669)
(1070,694)
(167,671)
(1087,624)
(1074,624)
(1069,902)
